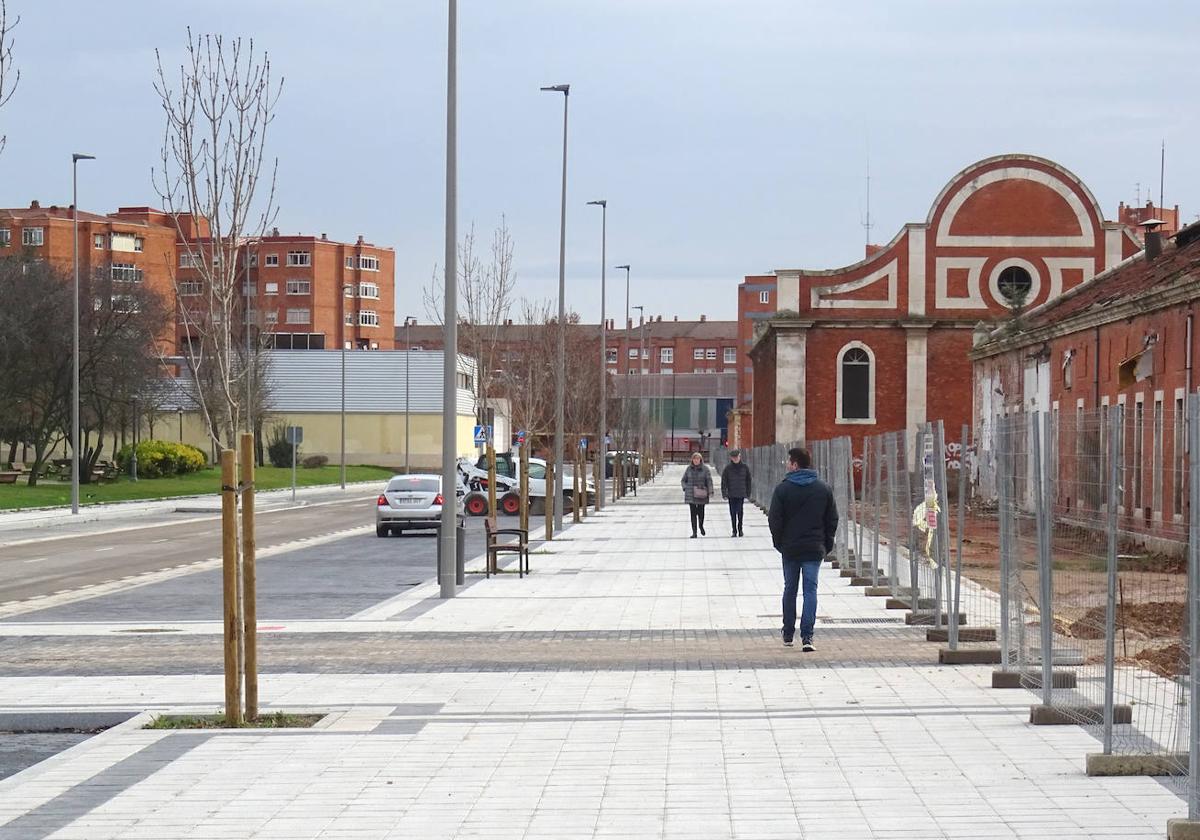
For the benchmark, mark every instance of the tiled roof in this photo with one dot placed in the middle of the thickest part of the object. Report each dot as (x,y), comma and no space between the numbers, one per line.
(655,330)
(53,212)
(695,330)
(1135,276)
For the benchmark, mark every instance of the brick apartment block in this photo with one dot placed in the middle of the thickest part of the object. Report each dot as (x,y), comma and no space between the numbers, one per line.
(298,283)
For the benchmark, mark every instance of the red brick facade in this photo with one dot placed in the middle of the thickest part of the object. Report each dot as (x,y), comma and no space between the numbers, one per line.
(756,304)
(1127,338)
(897,325)
(130,250)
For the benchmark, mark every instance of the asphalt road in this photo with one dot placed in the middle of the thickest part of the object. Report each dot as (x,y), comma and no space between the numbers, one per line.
(300,578)
(333,580)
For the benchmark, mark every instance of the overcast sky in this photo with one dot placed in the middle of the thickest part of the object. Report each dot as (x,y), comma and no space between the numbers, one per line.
(729,138)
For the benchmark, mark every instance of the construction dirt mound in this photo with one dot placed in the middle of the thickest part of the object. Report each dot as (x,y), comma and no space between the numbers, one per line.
(1151,620)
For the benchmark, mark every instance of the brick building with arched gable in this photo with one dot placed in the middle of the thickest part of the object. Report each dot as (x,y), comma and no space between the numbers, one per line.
(882,345)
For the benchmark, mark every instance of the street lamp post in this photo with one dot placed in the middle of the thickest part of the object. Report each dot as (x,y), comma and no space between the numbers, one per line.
(602,450)
(75,158)
(448,532)
(133,450)
(625,353)
(346,290)
(641,388)
(560,372)
(408,322)
(673,413)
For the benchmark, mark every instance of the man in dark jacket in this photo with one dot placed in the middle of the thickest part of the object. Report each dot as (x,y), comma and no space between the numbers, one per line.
(803,519)
(735,488)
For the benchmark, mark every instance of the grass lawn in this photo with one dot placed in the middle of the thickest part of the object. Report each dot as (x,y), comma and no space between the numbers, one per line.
(54,494)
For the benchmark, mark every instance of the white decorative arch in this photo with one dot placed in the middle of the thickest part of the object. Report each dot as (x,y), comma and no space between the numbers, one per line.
(1085,239)
(819,299)
(1035,277)
(870,418)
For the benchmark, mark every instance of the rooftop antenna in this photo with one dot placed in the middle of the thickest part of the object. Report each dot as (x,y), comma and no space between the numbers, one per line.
(867,222)
(1162,169)
(1137,192)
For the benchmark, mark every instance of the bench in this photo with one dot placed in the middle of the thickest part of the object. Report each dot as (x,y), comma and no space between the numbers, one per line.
(495,548)
(9,477)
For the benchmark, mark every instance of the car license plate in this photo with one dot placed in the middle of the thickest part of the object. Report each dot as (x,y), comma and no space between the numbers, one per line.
(406,499)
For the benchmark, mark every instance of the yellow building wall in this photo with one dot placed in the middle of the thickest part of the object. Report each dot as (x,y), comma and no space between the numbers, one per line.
(370,438)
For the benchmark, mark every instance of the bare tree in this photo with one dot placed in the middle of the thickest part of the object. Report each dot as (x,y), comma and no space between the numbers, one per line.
(485,295)
(219,186)
(10,75)
(120,359)
(528,368)
(35,355)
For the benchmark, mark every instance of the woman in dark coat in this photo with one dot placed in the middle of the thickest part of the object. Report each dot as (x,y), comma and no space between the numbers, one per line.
(697,490)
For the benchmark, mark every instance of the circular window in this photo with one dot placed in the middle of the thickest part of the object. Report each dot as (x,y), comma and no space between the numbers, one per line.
(1014,285)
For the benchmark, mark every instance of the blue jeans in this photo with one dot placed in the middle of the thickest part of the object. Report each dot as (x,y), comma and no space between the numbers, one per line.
(793,569)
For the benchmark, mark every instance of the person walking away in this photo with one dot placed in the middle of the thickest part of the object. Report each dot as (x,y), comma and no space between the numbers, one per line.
(735,489)
(697,490)
(803,518)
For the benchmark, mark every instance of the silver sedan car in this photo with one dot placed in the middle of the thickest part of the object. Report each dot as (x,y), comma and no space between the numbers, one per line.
(412,502)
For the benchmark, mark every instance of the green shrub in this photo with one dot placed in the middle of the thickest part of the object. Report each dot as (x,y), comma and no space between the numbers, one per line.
(279,451)
(312,462)
(159,458)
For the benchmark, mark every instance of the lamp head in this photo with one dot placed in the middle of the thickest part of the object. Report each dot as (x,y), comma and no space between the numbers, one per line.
(76,157)
(622,266)
(601,203)
(563,89)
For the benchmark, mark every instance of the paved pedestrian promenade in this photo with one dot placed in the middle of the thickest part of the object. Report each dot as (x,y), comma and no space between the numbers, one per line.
(634,686)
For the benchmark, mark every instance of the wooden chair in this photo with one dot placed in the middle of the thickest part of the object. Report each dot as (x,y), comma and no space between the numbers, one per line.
(496,548)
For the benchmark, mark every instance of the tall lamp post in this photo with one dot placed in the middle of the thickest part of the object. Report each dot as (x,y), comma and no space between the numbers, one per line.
(560,367)
(625,352)
(75,158)
(641,388)
(448,533)
(408,322)
(602,451)
(346,290)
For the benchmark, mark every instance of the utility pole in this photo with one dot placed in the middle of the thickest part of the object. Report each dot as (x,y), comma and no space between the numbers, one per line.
(448,533)
(560,385)
(602,443)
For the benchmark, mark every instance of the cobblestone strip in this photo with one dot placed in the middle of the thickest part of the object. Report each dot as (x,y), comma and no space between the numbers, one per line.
(433,652)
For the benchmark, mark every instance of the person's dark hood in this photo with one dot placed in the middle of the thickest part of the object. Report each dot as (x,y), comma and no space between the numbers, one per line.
(801,478)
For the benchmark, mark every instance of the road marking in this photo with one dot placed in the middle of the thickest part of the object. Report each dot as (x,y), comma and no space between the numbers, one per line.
(262,513)
(36,559)
(84,593)
(163,540)
(106,548)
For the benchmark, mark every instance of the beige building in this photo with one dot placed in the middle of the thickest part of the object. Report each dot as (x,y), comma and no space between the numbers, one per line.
(393,406)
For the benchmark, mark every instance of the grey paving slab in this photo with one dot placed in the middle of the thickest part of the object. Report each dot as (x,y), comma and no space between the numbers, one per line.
(642,694)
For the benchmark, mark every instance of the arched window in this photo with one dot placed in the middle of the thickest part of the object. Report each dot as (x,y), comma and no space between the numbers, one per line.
(856,384)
